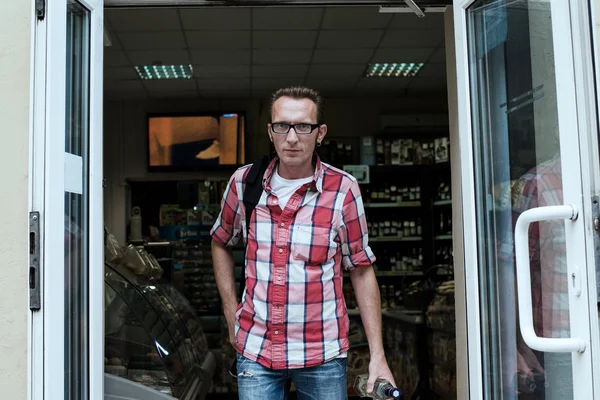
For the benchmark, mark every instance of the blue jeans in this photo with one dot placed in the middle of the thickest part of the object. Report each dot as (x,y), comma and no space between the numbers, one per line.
(322,382)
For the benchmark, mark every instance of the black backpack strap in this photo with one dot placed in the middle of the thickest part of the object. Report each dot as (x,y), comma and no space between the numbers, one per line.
(252,191)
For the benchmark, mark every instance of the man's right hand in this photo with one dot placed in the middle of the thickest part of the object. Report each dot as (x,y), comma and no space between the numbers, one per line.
(230,317)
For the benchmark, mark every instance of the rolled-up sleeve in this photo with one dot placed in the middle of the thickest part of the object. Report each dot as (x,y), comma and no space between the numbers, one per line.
(227,227)
(354,236)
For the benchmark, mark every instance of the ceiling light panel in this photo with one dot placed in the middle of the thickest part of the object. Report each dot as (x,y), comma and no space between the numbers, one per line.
(276,71)
(284,39)
(142,19)
(220,19)
(392,70)
(281,57)
(286,18)
(220,57)
(163,72)
(338,56)
(152,40)
(349,39)
(212,40)
(355,18)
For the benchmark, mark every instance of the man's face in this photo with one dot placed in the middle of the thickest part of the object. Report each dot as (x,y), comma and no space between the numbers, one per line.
(295,149)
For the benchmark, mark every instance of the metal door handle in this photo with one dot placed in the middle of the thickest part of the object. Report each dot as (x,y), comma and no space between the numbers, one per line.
(561,345)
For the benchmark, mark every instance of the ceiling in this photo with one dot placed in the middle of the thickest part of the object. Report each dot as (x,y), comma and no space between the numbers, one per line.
(241,52)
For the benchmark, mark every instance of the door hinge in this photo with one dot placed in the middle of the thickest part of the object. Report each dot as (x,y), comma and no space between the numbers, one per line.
(40,9)
(596,224)
(34,261)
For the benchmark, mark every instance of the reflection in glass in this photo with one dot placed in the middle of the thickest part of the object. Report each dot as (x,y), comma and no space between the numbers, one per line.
(76,206)
(517,165)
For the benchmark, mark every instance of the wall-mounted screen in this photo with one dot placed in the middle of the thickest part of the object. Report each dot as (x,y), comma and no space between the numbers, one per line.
(195,142)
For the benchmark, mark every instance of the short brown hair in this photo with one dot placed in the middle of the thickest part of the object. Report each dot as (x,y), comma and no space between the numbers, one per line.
(298,93)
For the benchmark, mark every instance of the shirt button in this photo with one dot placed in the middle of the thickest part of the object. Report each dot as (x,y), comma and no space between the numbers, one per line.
(277,332)
(281,250)
(282,224)
(278,278)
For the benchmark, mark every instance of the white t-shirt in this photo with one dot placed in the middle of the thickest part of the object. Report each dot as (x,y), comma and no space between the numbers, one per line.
(285,188)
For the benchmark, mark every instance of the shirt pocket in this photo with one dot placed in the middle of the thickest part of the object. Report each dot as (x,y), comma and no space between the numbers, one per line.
(311,244)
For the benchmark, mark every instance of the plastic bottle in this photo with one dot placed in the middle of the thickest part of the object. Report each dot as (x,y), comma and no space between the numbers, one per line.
(382,389)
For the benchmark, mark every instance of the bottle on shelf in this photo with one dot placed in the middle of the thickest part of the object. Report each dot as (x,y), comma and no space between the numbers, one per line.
(379,153)
(394,194)
(340,154)
(383,296)
(348,154)
(387,152)
(444,192)
(382,389)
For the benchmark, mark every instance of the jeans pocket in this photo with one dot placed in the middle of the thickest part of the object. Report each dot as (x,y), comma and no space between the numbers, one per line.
(241,360)
(342,362)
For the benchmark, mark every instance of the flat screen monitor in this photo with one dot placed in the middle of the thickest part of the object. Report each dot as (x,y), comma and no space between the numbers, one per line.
(195,142)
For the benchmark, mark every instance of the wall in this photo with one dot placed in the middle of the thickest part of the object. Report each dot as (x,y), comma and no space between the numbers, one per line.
(125,135)
(15,19)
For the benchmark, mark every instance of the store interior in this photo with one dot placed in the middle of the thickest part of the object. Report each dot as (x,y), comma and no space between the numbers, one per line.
(170,146)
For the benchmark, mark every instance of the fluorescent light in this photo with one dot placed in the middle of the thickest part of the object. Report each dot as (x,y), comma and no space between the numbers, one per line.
(162,72)
(392,70)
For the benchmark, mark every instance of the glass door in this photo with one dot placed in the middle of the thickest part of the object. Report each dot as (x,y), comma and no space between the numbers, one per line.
(67,192)
(530,283)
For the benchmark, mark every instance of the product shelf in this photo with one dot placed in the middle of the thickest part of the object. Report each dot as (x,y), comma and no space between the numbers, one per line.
(443,237)
(393,205)
(395,239)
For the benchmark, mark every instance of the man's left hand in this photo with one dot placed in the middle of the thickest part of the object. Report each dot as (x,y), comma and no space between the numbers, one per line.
(378,369)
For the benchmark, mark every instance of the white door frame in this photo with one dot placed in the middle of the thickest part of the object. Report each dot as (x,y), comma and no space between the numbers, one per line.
(473,387)
(585,46)
(48,95)
(577,113)
(48,177)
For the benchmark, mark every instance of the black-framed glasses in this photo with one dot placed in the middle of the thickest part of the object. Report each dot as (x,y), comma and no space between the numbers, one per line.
(300,129)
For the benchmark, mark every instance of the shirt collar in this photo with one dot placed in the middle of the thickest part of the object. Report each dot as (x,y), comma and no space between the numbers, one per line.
(316,183)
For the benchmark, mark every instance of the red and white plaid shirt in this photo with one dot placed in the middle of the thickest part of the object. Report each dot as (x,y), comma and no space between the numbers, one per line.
(293,313)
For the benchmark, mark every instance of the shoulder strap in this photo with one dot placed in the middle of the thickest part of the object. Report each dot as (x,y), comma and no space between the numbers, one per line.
(252,191)
(253,188)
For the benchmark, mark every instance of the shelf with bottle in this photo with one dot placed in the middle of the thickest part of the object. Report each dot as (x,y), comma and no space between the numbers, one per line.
(391,195)
(393,273)
(393,227)
(443,237)
(394,239)
(339,151)
(408,150)
(401,204)
(443,224)
(444,192)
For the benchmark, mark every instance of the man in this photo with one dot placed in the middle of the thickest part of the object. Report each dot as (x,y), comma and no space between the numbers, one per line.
(308,226)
